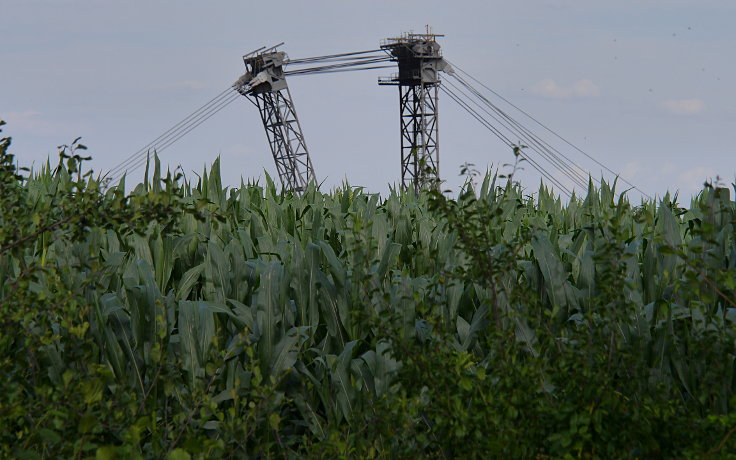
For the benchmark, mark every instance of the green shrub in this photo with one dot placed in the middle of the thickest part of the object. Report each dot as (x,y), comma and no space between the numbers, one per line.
(192,320)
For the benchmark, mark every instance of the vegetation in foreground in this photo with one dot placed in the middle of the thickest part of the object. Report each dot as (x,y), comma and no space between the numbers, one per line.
(182,321)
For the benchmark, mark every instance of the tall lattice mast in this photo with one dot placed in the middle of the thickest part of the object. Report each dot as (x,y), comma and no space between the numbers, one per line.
(265,84)
(419,60)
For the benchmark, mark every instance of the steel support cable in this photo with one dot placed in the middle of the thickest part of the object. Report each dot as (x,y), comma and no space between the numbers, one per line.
(226,97)
(542,125)
(331,56)
(529,142)
(531,161)
(565,164)
(325,68)
(181,133)
(568,163)
(504,139)
(590,157)
(320,72)
(145,157)
(335,61)
(174,137)
(364,60)
(350,64)
(171,131)
(159,148)
(298,62)
(202,119)
(336,66)
(464,105)
(558,159)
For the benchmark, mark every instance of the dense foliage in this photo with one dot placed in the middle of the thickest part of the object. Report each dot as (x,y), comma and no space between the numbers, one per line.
(198,321)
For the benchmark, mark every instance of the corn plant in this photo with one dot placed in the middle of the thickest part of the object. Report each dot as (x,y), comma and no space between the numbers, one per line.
(193,317)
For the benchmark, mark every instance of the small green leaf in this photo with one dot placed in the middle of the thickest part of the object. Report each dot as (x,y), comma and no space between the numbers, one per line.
(106,453)
(48,435)
(86,423)
(178,454)
(274,420)
(92,391)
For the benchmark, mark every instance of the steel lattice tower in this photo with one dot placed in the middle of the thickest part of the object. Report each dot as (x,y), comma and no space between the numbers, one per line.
(265,84)
(419,60)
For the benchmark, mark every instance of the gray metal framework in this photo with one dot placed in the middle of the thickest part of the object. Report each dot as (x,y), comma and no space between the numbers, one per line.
(419,61)
(265,85)
(420,162)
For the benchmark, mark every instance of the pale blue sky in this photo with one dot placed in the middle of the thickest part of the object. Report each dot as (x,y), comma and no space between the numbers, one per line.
(647,86)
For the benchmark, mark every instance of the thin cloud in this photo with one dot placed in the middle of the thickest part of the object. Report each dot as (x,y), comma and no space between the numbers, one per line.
(190,84)
(632,170)
(33,121)
(179,85)
(694,178)
(692,106)
(238,151)
(26,116)
(579,89)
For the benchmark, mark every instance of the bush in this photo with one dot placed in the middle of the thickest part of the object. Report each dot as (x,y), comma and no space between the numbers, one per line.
(191,320)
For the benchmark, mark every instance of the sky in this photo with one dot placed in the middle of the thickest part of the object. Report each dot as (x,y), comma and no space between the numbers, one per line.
(645,87)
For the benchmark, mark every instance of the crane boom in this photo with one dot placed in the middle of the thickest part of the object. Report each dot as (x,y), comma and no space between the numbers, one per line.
(265,85)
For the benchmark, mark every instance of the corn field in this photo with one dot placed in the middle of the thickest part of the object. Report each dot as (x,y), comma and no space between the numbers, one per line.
(267,324)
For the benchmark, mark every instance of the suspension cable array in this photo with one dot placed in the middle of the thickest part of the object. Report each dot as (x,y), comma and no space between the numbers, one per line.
(539,153)
(343,62)
(419,62)
(558,136)
(173,134)
(513,134)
